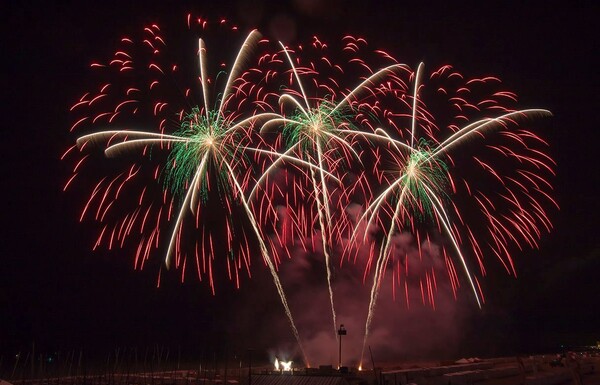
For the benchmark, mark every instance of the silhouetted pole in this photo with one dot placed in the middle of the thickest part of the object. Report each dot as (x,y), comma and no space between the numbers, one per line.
(341,332)
(249,366)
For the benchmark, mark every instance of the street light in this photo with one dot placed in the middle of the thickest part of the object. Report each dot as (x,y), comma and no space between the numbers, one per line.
(341,332)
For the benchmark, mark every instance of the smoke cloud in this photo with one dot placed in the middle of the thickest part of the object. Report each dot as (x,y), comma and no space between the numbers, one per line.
(417,315)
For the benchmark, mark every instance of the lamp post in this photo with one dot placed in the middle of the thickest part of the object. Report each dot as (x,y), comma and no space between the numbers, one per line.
(341,332)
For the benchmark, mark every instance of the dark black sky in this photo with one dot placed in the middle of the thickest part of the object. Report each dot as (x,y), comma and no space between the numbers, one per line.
(56,292)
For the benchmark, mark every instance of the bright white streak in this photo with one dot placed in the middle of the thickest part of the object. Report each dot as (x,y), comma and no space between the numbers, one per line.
(196,187)
(271,122)
(97,136)
(477,126)
(414,109)
(280,158)
(267,115)
(325,236)
(250,41)
(267,259)
(186,201)
(385,137)
(322,181)
(295,74)
(203,75)
(379,269)
(114,149)
(344,142)
(446,222)
(377,202)
(291,159)
(285,97)
(370,79)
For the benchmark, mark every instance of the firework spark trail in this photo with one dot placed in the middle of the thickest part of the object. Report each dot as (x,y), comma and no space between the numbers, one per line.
(378,275)
(272,268)
(420,187)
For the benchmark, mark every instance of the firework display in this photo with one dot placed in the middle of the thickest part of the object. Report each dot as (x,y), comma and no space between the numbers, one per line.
(209,162)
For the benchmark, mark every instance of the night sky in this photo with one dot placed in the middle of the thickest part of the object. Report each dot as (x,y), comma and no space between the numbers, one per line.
(56,293)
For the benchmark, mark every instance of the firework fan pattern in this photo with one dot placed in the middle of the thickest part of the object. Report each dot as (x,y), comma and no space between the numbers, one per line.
(208,162)
(442,130)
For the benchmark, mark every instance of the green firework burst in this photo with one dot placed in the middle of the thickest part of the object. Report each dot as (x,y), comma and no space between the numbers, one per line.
(422,176)
(315,124)
(204,140)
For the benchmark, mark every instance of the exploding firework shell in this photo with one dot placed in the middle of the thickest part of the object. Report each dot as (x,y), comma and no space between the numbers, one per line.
(456,167)
(160,117)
